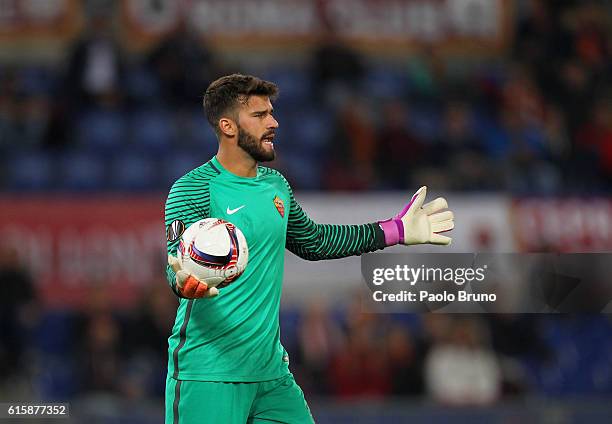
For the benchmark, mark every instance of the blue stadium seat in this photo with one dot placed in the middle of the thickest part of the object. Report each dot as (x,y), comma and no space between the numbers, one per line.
(201,136)
(53,342)
(143,86)
(581,365)
(290,321)
(179,163)
(495,139)
(30,171)
(305,171)
(82,170)
(134,171)
(294,83)
(37,80)
(386,83)
(313,127)
(102,129)
(57,379)
(425,122)
(54,333)
(153,130)
(412,321)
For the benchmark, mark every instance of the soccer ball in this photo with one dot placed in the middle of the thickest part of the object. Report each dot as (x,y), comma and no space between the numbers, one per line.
(214,251)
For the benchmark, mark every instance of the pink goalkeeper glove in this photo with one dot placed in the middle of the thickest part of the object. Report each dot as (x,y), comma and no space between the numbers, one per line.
(418,223)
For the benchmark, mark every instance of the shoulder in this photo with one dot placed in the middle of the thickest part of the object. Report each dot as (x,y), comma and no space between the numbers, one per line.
(197,178)
(272,173)
(274,176)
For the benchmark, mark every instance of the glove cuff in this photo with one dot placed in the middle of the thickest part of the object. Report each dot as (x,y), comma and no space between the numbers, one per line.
(394,231)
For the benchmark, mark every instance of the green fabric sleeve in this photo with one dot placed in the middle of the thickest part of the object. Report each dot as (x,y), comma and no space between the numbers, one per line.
(314,242)
(188,202)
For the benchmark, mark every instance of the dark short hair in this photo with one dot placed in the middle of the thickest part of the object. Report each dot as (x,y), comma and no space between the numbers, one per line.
(223,96)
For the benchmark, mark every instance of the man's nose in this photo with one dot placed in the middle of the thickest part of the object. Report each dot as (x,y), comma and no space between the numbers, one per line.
(273,122)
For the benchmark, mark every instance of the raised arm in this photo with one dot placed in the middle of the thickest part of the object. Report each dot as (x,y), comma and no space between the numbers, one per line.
(313,242)
(417,223)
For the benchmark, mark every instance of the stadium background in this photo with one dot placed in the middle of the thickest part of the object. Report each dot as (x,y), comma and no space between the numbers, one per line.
(503,106)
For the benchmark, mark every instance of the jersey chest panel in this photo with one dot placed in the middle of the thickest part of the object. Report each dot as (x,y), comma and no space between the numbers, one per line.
(258,210)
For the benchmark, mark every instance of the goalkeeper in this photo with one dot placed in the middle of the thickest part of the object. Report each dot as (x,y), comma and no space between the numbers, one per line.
(226,363)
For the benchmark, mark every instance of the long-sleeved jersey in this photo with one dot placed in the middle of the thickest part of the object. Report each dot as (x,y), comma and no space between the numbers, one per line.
(235,337)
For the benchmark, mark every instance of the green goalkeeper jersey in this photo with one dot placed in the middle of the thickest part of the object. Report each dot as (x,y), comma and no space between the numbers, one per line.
(235,337)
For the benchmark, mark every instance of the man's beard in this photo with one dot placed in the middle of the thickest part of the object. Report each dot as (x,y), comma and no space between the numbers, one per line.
(254,147)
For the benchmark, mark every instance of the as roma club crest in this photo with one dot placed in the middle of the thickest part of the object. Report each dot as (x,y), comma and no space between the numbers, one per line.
(280,206)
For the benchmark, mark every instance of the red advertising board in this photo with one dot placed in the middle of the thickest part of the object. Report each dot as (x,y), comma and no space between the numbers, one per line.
(72,245)
(563,225)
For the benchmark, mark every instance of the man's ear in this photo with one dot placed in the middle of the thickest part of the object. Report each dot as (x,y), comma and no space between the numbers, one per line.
(228,127)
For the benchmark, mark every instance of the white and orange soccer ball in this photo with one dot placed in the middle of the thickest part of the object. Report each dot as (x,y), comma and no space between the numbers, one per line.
(214,251)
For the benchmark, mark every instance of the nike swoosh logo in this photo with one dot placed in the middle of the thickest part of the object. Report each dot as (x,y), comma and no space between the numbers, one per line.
(233,211)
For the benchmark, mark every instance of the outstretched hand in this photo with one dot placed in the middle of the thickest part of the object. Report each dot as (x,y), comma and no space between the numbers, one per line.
(188,285)
(420,223)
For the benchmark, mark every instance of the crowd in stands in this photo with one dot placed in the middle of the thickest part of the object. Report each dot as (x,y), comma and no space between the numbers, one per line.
(536,119)
(336,350)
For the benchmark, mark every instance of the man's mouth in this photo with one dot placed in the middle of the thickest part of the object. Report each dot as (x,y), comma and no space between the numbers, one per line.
(268,140)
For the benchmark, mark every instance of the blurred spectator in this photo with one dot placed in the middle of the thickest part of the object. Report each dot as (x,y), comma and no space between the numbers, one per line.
(593,150)
(522,97)
(395,141)
(436,328)
(427,72)
(461,153)
(361,368)
(184,66)
(405,363)
(558,141)
(149,327)
(95,65)
(320,339)
(542,41)
(8,110)
(462,369)
(18,313)
(575,93)
(99,356)
(25,112)
(515,338)
(591,43)
(146,342)
(352,148)
(337,69)
(517,335)
(33,116)
(529,161)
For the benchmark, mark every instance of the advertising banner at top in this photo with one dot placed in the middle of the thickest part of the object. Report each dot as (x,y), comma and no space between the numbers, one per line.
(40,19)
(384,24)
(461,26)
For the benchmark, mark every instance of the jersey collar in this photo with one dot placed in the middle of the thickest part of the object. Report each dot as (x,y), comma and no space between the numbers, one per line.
(215,162)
